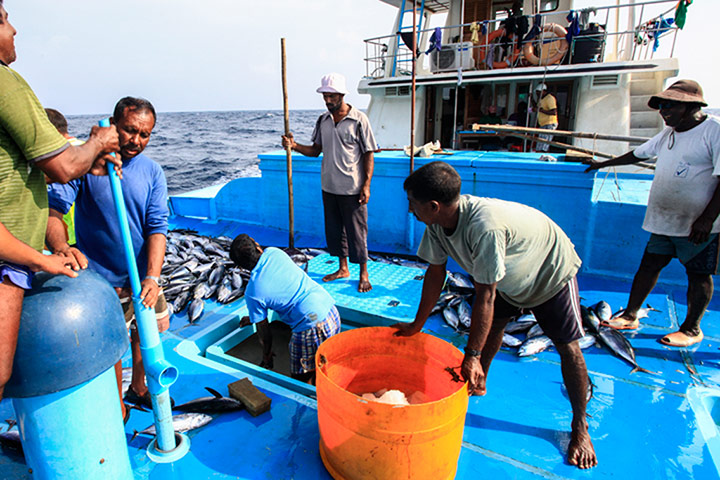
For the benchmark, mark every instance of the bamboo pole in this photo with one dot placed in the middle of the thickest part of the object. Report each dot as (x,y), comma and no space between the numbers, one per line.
(578,149)
(412,97)
(288,151)
(560,133)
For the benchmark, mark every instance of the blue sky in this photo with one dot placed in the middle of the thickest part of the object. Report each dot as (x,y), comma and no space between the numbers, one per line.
(80,56)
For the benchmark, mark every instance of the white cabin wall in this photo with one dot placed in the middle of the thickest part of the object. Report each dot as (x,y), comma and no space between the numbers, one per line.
(603,109)
(390,118)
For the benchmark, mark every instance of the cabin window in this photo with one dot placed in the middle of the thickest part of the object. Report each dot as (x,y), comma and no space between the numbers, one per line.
(548,5)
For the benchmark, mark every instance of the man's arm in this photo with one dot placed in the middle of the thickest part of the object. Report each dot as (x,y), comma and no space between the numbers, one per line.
(156,255)
(265,337)
(368,161)
(56,241)
(701,228)
(313,150)
(76,161)
(626,159)
(432,286)
(15,251)
(481,320)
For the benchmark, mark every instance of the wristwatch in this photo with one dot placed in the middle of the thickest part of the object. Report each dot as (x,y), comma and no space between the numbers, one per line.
(472,353)
(154,279)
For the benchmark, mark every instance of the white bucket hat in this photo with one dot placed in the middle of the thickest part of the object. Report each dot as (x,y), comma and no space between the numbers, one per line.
(541,87)
(333,83)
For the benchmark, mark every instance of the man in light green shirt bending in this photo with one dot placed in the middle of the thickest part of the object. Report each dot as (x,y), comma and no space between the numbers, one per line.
(519,260)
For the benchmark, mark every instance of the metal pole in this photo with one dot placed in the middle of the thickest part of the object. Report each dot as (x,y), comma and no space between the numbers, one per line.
(160,374)
(288,152)
(412,95)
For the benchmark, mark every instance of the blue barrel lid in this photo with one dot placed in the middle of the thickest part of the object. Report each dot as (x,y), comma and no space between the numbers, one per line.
(71,330)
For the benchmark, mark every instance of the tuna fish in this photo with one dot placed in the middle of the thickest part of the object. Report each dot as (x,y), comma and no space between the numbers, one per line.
(620,347)
(464,313)
(451,317)
(214,404)
(534,345)
(196,309)
(181,423)
(510,341)
(535,331)
(602,310)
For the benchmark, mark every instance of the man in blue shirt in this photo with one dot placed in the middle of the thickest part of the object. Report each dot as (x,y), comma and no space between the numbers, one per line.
(276,283)
(98,232)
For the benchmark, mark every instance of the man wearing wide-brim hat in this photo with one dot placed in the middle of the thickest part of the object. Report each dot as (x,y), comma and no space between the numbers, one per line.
(683,208)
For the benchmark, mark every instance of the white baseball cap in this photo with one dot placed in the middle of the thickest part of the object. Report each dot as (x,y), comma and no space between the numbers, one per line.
(541,87)
(333,83)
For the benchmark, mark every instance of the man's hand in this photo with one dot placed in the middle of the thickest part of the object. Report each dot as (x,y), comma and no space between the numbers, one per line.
(149,293)
(106,137)
(406,329)
(76,258)
(700,230)
(99,167)
(244,321)
(473,372)
(364,195)
(288,141)
(54,264)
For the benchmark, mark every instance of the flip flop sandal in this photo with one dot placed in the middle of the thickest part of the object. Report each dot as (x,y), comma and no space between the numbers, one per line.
(618,323)
(681,339)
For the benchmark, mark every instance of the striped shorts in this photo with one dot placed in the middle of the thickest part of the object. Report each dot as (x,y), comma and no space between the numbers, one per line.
(161,312)
(303,345)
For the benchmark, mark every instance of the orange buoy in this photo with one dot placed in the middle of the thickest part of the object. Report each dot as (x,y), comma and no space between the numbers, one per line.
(364,439)
(489,43)
(559,47)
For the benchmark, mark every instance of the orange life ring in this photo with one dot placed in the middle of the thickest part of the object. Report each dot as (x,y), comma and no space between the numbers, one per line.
(560,33)
(490,38)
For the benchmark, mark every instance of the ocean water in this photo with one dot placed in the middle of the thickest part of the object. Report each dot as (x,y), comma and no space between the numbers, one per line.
(199,149)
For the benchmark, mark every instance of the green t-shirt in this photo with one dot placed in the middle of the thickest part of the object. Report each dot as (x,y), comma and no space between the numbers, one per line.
(26,136)
(520,248)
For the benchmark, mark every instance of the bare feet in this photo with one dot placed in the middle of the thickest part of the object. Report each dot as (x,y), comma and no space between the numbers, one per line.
(341,273)
(364,284)
(622,322)
(681,339)
(581,451)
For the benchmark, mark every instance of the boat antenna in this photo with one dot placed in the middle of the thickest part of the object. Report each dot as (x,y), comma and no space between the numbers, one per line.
(412,88)
(288,151)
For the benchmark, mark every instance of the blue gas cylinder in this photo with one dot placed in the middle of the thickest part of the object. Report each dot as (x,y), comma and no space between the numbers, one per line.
(64,390)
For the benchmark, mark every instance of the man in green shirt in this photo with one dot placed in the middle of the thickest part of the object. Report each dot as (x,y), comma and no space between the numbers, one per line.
(31,149)
(519,260)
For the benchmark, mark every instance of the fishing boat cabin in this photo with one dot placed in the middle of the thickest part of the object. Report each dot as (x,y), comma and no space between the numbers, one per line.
(481,61)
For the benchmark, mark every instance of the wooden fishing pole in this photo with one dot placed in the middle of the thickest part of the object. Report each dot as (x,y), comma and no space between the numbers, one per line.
(559,133)
(288,151)
(412,89)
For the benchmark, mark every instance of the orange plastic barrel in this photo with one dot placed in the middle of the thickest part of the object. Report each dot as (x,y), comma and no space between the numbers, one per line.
(361,439)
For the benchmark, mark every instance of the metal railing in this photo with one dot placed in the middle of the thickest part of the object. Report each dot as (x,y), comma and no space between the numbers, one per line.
(638,43)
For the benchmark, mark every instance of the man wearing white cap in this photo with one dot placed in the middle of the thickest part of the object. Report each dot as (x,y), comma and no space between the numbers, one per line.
(344,137)
(547,116)
(683,207)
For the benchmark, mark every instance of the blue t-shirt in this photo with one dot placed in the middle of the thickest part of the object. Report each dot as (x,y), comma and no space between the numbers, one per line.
(276,283)
(96,225)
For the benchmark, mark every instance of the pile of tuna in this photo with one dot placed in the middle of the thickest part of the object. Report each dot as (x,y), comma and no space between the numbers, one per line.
(198,268)
(525,334)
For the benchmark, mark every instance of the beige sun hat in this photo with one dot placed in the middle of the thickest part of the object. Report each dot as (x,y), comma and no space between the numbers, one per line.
(333,83)
(685,91)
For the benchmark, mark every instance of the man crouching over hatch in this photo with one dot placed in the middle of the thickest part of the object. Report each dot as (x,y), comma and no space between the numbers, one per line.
(277,284)
(519,259)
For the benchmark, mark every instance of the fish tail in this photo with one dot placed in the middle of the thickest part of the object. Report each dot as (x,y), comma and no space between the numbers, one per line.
(135,434)
(649,307)
(213,392)
(644,370)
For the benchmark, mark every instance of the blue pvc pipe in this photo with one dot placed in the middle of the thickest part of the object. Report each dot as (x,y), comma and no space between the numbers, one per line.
(62,438)
(160,374)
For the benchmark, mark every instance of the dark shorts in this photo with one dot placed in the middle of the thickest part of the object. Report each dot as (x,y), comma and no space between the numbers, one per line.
(697,258)
(18,275)
(559,317)
(303,345)
(346,226)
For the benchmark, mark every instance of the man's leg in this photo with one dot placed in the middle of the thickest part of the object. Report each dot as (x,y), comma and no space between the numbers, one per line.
(645,279)
(11,298)
(354,218)
(699,294)
(490,349)
(580,451)
(335,236)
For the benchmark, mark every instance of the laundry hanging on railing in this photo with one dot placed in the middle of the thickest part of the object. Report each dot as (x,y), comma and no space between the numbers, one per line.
(659,27)
(681,13)
(474,29)
(407,38)
(584,17)
(518,25)
(435,41)
(535,30)
(573,29)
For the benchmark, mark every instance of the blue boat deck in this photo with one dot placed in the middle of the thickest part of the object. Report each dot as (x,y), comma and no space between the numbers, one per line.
(657,426)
